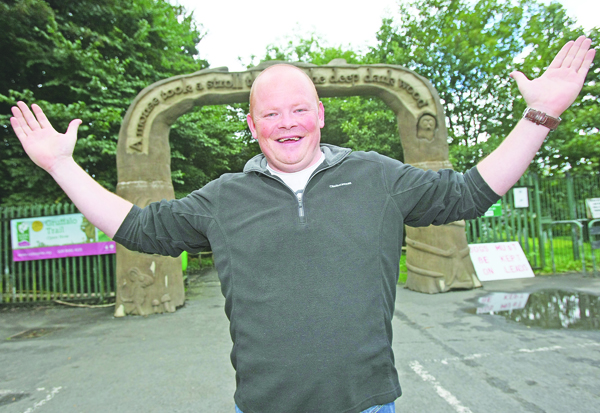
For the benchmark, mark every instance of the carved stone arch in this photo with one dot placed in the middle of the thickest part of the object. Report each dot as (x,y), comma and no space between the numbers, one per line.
(437,257)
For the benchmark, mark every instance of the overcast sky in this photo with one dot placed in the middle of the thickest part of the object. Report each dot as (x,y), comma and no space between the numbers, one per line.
(242,28)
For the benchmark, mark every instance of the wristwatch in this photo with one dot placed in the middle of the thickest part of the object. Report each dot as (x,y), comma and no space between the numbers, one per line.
(540,118)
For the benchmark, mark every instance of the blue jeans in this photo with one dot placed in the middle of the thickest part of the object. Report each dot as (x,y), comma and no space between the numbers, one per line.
(386,408)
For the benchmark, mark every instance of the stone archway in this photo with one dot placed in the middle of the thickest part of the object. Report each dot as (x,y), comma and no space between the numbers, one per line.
(437,257)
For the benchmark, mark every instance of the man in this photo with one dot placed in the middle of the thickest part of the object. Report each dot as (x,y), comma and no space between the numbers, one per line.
(307,239)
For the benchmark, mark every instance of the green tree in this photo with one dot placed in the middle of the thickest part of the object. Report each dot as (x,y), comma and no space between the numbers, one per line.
(467,50)
(88,60)
(575,146)
(208,142)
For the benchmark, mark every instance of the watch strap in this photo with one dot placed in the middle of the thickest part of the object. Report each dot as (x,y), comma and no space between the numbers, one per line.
(541,118)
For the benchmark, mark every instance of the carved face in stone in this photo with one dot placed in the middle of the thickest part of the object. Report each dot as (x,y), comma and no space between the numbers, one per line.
(286,118)
(426,127)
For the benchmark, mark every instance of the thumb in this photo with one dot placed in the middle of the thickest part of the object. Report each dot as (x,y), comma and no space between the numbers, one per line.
(519,77)
(73,126)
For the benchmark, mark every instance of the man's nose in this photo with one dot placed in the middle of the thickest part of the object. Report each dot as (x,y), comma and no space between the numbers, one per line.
(288,121)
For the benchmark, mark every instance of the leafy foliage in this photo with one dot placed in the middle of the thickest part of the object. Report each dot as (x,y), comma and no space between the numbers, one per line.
(88,60)
(207,142)
(574,147)
(468,50)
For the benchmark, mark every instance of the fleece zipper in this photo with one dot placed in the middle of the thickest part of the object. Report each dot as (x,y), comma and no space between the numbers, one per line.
(300,194)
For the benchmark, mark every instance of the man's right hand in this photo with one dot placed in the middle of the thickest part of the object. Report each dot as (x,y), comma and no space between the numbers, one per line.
(43,144)
(53,152)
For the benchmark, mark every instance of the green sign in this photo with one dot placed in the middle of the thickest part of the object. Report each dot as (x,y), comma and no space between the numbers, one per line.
(495,210)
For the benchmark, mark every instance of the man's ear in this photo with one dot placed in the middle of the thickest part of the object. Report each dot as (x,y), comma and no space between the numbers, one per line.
(321,115)
(251,125)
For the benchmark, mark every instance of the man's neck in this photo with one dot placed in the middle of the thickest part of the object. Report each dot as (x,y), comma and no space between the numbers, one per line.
(297,180)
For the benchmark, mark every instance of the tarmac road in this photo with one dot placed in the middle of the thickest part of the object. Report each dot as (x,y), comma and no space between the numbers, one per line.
(449,359)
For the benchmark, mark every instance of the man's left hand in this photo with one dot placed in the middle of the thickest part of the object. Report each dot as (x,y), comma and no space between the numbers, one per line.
(559,86)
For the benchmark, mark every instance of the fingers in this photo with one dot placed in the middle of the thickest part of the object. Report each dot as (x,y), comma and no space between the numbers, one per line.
(26,123)
(560,57)
(29,118)
(587,61)
(19,123)
(572,52)
(16,125)
(41,116)
(577,54)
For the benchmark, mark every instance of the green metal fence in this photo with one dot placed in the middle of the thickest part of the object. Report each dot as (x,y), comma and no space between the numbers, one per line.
(552,230)
(65,279)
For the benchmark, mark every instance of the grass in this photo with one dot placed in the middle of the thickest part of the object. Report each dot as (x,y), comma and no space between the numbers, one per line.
(198,262)
(403,270)
(564,259)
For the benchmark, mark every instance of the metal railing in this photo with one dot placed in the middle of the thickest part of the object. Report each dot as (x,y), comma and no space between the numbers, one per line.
(594,234)
(575,241)
(553,230)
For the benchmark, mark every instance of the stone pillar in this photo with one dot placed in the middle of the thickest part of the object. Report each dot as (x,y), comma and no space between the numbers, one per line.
(437,257)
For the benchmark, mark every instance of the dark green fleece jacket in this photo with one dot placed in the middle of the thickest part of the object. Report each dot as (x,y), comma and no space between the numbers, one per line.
(310,286)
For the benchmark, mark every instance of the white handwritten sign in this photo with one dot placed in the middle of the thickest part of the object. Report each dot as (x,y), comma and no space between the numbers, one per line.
(500,261)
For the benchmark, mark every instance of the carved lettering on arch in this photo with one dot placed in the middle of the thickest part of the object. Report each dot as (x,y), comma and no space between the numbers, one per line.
(193,87)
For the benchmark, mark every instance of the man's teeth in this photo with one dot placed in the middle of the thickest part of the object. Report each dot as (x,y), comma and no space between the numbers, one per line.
(288,139)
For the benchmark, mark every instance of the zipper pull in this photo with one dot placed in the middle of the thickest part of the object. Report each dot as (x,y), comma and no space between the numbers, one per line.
(299,195)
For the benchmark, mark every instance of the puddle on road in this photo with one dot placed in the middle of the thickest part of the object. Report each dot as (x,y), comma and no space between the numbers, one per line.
(553,309)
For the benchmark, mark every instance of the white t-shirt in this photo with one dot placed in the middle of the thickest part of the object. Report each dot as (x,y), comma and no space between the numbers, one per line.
(297,180)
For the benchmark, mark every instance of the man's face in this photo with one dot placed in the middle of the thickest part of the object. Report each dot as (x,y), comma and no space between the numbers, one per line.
(286,118)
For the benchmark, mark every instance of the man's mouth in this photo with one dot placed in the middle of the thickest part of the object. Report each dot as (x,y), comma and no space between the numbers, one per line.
(293,139)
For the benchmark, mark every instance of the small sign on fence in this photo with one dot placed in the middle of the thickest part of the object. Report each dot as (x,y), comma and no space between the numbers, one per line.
(592,205)
(57,236)
(500,261)
(521,197)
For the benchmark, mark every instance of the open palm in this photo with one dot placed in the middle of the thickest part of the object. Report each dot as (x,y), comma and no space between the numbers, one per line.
(559,86)
(42,143)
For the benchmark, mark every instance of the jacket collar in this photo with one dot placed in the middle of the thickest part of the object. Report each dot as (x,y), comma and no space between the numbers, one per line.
(333,155)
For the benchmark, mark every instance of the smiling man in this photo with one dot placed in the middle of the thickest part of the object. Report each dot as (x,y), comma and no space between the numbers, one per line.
(307,238)
(286,118)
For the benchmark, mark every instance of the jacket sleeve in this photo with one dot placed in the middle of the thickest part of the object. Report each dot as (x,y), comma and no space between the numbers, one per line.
(169,227)
(435,198)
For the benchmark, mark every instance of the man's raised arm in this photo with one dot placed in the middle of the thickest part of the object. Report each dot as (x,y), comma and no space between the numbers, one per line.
(551,93)
(53,152)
